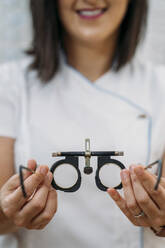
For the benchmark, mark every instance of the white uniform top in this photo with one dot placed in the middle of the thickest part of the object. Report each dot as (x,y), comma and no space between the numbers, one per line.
(58,116)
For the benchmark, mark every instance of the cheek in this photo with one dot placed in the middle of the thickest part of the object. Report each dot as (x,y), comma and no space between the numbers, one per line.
(65,9)
(66,13)
(102,28)
(62,4)
(117,12)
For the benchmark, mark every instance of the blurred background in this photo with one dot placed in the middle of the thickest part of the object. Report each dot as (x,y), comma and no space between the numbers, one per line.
(15,30)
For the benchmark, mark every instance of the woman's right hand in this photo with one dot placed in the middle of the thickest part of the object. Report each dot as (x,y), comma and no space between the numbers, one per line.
(35,211)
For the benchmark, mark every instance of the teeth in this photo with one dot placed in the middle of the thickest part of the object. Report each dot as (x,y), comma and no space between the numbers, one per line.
(91,13)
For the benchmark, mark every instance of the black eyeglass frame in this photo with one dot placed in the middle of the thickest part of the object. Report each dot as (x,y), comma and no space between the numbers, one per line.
(73,160)
(103,158)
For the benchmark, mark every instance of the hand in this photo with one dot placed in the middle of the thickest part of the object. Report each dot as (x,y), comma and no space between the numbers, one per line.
(35,211)
(139,195)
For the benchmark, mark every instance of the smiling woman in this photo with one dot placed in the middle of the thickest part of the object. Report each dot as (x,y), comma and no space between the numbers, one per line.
(105,16)
(122,24)
(83,80)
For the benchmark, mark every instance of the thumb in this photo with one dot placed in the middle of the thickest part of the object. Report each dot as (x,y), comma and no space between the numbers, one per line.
(14,181)
(17,200)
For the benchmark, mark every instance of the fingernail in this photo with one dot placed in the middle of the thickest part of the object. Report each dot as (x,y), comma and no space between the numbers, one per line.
(113,194)
(48,179)
(49,176)
(124,176)
(111,191)
(42,170)
(139,171)
(131,168)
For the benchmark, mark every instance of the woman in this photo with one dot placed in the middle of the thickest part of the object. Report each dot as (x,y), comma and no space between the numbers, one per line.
(83,83)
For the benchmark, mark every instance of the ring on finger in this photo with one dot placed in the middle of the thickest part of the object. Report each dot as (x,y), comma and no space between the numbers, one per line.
(141,214)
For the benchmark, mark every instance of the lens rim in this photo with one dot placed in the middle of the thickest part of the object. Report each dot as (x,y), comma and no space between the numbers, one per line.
(101,161)
(73,161)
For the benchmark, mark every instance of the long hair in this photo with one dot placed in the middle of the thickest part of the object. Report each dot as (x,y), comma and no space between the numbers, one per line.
(47,36)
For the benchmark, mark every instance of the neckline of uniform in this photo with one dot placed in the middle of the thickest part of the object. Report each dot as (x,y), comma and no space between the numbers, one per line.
(110,74)
(107,81)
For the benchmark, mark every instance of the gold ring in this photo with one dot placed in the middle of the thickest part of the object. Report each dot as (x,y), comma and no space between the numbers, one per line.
(141,214)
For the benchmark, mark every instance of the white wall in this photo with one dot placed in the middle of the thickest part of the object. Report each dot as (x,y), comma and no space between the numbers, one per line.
(154,46)
(15,30)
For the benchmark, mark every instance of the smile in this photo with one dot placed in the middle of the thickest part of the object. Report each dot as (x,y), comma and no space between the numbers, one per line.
(91,14)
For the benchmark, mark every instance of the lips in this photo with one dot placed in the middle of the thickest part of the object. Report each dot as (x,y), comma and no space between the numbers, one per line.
(91,13)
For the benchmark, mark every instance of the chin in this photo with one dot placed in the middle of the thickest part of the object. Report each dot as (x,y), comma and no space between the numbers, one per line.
(93,37)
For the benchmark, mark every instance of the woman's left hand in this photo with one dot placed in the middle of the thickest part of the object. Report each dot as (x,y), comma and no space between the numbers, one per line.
(140,197)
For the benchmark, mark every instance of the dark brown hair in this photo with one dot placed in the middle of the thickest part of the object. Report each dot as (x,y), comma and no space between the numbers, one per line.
(47,36)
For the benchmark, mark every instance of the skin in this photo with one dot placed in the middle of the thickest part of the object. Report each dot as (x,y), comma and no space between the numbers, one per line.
(93,39)
(33,212)
(139,195)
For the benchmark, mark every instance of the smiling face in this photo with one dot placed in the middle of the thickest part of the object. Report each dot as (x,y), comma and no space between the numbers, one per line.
(92,20)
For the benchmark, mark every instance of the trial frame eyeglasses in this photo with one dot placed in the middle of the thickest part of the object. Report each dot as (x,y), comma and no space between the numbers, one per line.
(103,158)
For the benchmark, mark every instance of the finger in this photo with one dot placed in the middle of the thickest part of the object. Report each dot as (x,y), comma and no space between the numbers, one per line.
(51,207)
(148,182)
(144,201)
(121,203)
(17,199)
(14,181)
(162,180)
(32,164)
(36,204)
(129,193)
